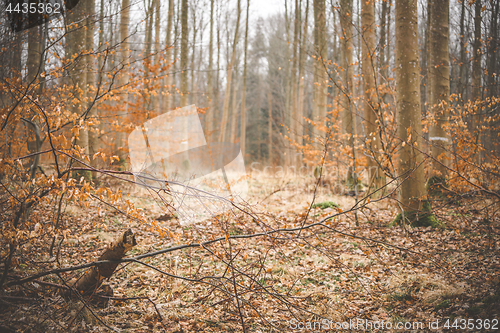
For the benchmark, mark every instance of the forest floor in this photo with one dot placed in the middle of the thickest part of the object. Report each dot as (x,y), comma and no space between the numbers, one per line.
(338,276)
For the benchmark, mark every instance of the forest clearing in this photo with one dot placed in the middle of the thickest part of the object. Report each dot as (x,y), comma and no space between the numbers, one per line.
(243,166)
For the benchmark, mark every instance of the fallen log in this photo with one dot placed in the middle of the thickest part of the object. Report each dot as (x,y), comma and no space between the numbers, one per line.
(94,276)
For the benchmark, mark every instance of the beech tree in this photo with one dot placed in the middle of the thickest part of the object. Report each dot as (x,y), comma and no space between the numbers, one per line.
(411,174)
(439,87)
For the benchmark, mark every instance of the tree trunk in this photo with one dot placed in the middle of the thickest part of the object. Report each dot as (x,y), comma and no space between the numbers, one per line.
(462,79)
(184,53)
(210,123)
(124,75)
(409,124)
(225,108)
(440,85)
(371,103)
(91,89)
(75,44)
(233,112)
(320,86)
(382,54)
(243,121)
(301,100)
(34,70)
(294,121)
(269,125)
(168,41)
(348,121)
(157,59)
(193,58)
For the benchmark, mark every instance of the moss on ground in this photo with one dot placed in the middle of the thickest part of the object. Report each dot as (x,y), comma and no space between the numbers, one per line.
(422,218)
(325,205)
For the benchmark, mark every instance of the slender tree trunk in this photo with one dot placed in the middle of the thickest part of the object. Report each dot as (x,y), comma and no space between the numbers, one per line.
(440,85)
(210,90)
(234,113)
(157,60)
(301,100)
(184,53)
(388,39)
(348,120)
(98,113)
(476,74)
(123,78)
(168,42)
(91,89)
(217,77)
(409,123)
(462,78)
(243,122)
(383,25)
(193,58)
(371,103)
(75,45)
(319,63)
(176,65)
(294,121)
(491,134)
(33,64)
(149,38)
(270,125)
(225,108)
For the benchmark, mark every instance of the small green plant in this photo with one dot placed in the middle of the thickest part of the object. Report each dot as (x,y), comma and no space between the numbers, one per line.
(444,304)
(325,205)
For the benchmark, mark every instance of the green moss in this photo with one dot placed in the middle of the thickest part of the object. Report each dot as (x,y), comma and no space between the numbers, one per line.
(423,218)
(435,186)
(444,304)
(325,205)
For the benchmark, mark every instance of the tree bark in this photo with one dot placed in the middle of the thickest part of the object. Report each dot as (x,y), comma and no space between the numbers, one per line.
(168,41)
(184,53)
(243,129)
(348,120)
(409,124)
(320,85)
(124,75)
(370,102)
(476,74)
(440,85)
(225,108)
(210,79)
(91,70)
(294,121)
(75,45)
(157,59)
(301,98)
(269,126)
